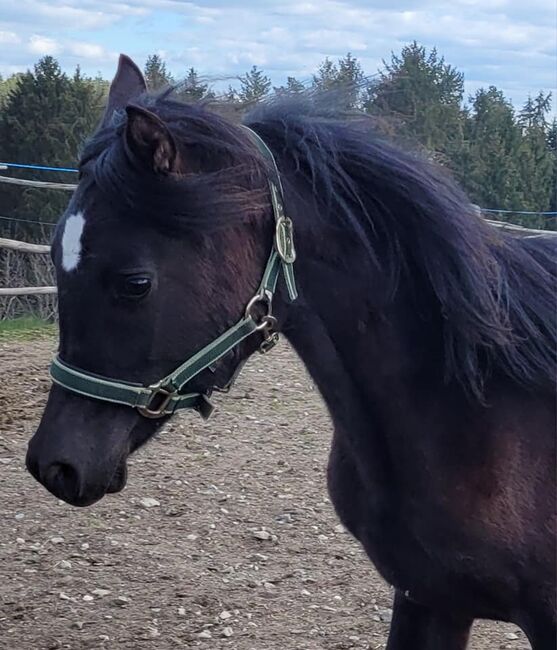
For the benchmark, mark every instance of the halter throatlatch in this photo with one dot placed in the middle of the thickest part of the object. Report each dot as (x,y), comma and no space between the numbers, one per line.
(167,395)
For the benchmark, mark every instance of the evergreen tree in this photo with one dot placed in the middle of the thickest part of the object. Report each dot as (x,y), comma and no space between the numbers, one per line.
(535,158)
(424,94)
(191,89)
(254,85)
(7,86)
(45,119)
(156,74)
(231,95)
(552,146)
(534,112)
(349,80)
(326,76)
(341,81)
(490,171)
(84,108)
(292,87)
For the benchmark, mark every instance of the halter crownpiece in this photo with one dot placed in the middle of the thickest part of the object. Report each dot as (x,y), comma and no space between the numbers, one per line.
(166,396)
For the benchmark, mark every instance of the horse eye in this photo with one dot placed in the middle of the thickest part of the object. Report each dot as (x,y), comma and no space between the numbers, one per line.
(134,286)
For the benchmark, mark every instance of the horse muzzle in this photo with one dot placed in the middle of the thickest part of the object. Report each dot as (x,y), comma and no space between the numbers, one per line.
(70,483)
(80,448)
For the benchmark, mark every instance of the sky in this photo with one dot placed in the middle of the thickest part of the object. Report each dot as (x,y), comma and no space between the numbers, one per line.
(507,43)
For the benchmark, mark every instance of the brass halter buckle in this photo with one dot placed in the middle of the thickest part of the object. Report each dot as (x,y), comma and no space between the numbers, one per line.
(158,401)
(284,239)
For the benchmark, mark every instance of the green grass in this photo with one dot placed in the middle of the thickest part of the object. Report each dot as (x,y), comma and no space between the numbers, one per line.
(25,328)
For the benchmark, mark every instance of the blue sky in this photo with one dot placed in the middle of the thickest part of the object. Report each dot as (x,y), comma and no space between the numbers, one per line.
(508,43)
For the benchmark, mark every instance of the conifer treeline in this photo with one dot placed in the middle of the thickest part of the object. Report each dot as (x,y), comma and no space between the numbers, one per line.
(505,158)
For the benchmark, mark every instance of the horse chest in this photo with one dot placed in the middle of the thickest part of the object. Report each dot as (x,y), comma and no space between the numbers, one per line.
(409,554)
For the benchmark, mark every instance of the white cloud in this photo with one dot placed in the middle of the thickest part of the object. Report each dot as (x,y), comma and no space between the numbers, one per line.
(88,51)
(41,45)
(68,14)
(73,17)
(334,39)
(9,38)
(508,43)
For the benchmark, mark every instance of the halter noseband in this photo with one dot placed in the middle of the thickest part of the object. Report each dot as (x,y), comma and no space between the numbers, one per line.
(165,396)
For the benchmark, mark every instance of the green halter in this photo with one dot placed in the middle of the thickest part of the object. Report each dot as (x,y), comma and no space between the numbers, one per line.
(166,396)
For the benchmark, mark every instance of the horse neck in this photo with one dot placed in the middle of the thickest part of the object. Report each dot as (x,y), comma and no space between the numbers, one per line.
(364,347)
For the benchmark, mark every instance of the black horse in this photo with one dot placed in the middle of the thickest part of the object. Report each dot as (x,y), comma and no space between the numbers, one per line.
(430,334)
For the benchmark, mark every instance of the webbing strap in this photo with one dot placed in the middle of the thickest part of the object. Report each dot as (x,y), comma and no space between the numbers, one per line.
(103,388)
(120,392)
(271,274)
(210,353)
(284,239)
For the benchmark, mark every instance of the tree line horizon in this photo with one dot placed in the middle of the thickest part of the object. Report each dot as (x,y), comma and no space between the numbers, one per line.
(504,157)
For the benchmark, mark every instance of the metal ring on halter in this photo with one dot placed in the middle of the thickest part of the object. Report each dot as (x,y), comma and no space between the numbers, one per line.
(267,320)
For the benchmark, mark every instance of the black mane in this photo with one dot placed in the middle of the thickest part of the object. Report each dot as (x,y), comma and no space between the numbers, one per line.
(496,293)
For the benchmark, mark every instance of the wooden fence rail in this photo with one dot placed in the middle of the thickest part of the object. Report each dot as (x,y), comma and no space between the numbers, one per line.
(22,246)
(68,187)
(521,231)
(27,291)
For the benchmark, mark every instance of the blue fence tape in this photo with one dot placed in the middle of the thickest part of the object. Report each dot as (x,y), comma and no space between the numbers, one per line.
(41,167)
(539,214)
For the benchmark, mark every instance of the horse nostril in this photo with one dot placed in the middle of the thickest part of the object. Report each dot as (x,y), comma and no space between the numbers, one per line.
(63,480)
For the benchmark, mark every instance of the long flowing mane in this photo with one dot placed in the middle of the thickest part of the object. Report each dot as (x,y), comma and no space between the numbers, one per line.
(495,292)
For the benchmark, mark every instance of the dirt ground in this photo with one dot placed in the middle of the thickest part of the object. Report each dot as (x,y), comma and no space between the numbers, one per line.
(224,537)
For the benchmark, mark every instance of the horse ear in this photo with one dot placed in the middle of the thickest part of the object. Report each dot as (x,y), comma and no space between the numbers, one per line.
(148,138)
(127,85)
